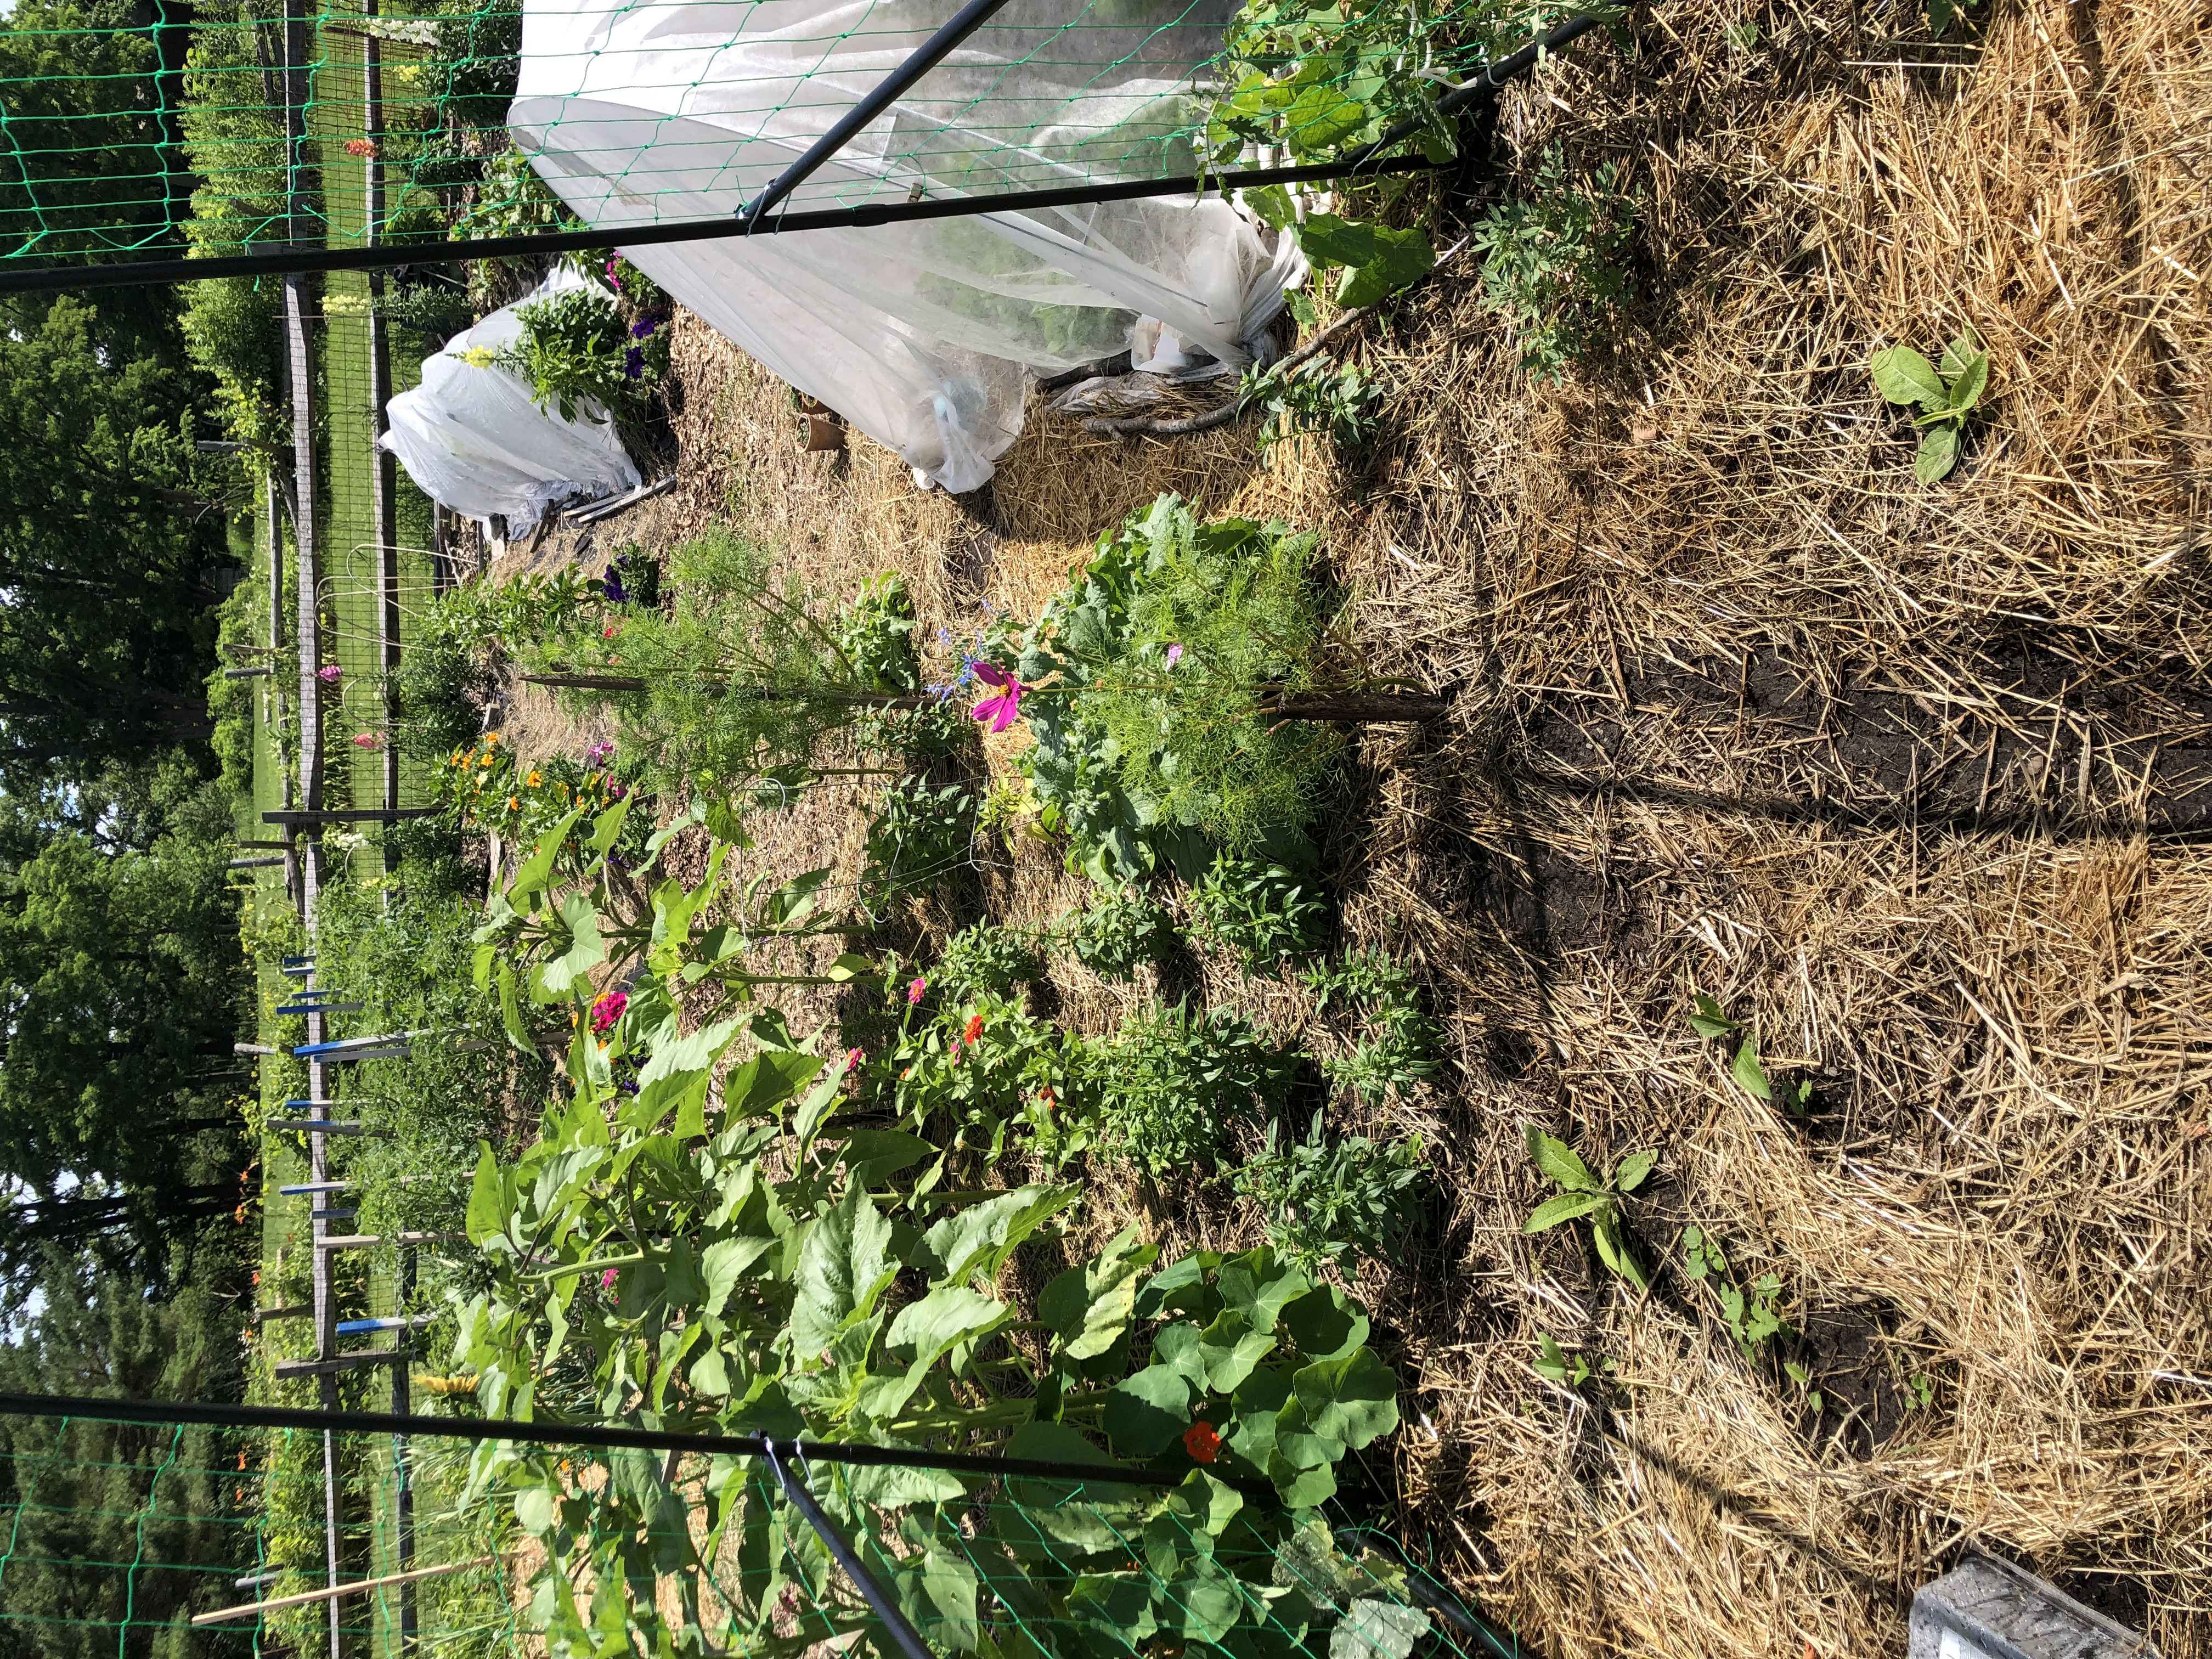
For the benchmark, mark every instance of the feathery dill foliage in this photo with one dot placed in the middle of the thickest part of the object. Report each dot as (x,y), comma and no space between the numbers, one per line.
(1152,736)
(743,673)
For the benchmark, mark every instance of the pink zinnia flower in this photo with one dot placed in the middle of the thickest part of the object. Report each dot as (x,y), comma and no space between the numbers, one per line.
(915,990)
(613,281)
(852,1059)
(607,1279)
(1001,711)
(598,752)
(329,673)
(607,1010)
(368,740)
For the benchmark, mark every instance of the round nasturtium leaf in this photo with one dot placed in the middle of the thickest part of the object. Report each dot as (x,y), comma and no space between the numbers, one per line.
(1148,1413)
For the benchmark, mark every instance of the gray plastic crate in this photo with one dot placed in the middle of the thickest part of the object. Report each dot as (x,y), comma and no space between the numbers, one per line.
(1990,1609)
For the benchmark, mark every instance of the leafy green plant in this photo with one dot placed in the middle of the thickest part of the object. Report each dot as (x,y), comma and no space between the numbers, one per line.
(1942,13)
(1333,1198)
(1555,1365)
(1555,263)
(1261,911)
(1147,683)
(1396,1048)
(1583,1195)
(1745,1069)
(576,347)
(919,834)
(980,1068)
(1754,1318)
(633,578)
(1946,393)
(1920,1390)
(1114,933)
(1803,1376)
(1171,1081)
(982,959)
(1340,405)
(875,631)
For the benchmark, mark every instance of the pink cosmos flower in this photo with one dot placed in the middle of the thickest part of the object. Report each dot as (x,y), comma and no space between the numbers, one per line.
(915,990)
(1001,711)
(1175,655)
(368,740)
(607,1010)
(329,674)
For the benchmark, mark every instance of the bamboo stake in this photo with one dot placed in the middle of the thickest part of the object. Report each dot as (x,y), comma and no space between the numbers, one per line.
(336,1590)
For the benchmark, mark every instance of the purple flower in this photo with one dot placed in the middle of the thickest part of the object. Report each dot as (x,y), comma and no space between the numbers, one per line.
(329,673)
(634,363)
(1175,655)
(999,711)
(643,327)
(598,751)
(611,583)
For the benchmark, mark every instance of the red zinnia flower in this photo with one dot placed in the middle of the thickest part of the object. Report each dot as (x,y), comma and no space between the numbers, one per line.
(974,1029)
(1203,1444)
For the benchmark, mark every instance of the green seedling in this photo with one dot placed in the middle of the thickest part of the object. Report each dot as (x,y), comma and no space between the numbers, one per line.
(1583,1194)
(1555,1365)
(1803,1378)
(1920,1389)
(1752,1320)
(1746,1070)
(1946,393)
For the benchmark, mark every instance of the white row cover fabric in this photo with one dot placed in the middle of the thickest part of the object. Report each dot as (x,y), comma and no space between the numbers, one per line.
(475,440)
(666,110)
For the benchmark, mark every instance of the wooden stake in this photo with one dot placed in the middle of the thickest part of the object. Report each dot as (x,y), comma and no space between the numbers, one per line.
(336,1590)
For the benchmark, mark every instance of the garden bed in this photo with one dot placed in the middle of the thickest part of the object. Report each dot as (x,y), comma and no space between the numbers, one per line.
(1908,779)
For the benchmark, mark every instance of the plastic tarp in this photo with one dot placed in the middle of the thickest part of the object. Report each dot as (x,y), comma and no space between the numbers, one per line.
(917,332)
(474,440)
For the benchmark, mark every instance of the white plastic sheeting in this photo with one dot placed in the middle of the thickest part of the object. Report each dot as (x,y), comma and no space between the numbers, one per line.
(917,332)
(474,441)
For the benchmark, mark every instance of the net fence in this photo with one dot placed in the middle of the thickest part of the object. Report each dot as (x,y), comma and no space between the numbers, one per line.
(127,1536)
(141,130)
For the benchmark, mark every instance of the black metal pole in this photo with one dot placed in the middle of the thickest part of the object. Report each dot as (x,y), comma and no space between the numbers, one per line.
(226,1416)
(926,56)
(886,1608)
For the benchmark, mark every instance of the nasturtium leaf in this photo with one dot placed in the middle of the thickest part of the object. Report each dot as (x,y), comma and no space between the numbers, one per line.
(1229,1349)
(1567,1206)
(1212,1605)
(1301,1487)
(1903,376)
(1377,1629)
(1324,1323)
(1179,1347)
(1353,1399)
(1179,1287)
(1559,1164)
(1148,1413)
(1258,1286)
(1937,455)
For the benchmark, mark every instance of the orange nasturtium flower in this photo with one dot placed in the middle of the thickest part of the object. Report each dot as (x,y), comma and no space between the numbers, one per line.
(1203,1444)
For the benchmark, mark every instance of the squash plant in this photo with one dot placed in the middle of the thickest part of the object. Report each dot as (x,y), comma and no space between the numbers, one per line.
(699,1257)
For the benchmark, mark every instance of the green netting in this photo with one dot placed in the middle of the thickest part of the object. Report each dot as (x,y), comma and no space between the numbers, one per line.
(115,1536)
(130,136)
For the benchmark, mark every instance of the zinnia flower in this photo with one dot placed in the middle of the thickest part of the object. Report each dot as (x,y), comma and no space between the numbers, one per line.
(607,1279)
(329,674)
(598,751)
(368,740)
(1203,1444)
(913,991)
(999,711)
(361,147)
(610,631)
(974,1029)
(607,1010)
(852,1059)
(613,281)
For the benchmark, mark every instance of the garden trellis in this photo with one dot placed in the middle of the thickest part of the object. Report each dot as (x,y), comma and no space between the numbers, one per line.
(193,1525)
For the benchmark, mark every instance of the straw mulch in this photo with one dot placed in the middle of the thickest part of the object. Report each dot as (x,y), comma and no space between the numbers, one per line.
(1913,778)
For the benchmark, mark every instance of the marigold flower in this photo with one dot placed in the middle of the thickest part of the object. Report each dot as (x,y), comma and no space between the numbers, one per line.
(513,805)
(534,778)
(1200,1441)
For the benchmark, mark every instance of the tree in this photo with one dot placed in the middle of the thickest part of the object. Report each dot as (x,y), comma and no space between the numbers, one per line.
(121,992)
(106,1522)
(107,546)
